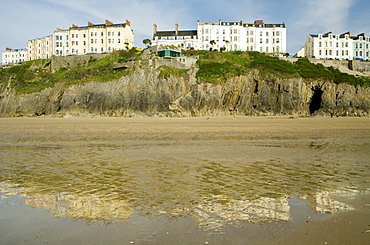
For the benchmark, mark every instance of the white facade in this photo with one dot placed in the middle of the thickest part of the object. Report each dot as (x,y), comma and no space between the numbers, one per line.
(14,56)
(340,47)
(40,48)
(269,38)
(102,38)
(60,40)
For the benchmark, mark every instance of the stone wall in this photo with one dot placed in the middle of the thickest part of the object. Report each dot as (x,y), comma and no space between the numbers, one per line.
(58,62)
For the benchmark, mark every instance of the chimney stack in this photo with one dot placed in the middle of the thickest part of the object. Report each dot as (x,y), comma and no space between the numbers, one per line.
(128,23)
(155,29)
(176,29)
(89,24)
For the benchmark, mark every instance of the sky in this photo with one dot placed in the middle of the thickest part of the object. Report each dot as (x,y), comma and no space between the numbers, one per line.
(23,20)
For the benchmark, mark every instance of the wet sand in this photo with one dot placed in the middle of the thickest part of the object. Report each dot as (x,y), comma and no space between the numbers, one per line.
(253,180)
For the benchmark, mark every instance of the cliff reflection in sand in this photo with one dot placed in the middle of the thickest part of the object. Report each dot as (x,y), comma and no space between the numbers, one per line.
(243,173)
(212,194)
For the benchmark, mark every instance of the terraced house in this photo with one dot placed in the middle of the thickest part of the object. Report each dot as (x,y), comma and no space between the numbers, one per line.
(257,36)
(101,38)
(338,47)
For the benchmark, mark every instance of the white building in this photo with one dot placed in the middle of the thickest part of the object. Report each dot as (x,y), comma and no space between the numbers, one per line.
(340,47)
(101,38)
(185,38)
(40,48)
(14,56)
(269,38)
(60,40)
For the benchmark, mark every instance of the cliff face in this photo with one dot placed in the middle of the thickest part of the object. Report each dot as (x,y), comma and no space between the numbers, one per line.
(144,93)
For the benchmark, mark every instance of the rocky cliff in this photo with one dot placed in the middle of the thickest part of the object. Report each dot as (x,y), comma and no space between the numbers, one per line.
(144,93)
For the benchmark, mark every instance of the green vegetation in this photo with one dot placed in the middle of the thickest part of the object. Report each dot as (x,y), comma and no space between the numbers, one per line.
(217,67)
(214,67)
(31,77)
(167,71)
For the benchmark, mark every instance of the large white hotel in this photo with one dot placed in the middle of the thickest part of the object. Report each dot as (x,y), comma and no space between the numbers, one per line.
(77,40)
(257,36)
(337,47)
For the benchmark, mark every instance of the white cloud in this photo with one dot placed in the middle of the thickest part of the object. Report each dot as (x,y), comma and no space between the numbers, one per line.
(324,15)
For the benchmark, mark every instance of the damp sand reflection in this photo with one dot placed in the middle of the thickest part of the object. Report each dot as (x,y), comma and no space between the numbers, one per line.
(216,172)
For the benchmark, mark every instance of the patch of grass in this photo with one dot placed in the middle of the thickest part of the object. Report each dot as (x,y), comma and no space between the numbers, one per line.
(167,71)
(30,77)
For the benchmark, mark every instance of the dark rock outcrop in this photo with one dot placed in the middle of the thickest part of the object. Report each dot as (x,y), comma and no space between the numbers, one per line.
(143,93)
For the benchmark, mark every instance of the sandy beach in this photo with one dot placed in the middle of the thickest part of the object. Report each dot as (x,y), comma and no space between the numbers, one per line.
(218,180)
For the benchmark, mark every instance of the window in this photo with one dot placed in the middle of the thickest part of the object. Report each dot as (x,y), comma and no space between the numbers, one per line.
(346,44)
(223,31)
(76,35)
(251,33)
(102,41)
(267,34)
(217,31)
(319,52)
(347,52)
(207,31)
(235,31)
(267,49)
(260,49)
(261,33)
(337,53)
(73,35)
(267,40)
(119,40)
(235,38)
(277,33)
(76,43)
(251,39)
(101,33)
(56,37)
(92,40)
(260,40)
(277,40)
